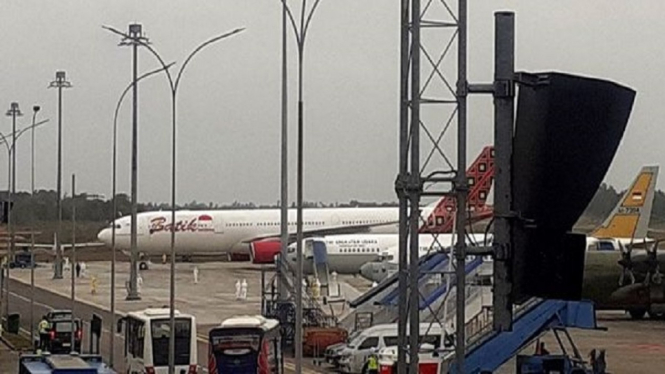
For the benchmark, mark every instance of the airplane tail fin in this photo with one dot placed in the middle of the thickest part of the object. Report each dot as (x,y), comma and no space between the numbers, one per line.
(480,176)
(630,218)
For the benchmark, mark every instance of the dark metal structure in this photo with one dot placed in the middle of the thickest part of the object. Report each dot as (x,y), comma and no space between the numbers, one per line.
(429,106)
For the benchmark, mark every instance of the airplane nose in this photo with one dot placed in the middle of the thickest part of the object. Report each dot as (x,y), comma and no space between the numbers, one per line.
(104,236)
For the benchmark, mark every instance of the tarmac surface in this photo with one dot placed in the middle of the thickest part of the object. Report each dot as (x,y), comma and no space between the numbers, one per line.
(631,346)
(211,300)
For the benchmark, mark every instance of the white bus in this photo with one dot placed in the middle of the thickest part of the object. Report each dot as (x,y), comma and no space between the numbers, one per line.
(147,334)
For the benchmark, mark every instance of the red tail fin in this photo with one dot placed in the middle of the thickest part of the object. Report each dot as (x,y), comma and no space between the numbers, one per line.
(480,177)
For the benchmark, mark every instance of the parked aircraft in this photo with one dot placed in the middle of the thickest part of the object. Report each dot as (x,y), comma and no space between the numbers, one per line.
(616,274)
(346,254)
(223,231)
(255,231)
(628,224)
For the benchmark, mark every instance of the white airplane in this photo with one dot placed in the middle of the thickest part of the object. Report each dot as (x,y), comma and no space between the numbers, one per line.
(225,231)
(346,254)
(257,231)
(626,226)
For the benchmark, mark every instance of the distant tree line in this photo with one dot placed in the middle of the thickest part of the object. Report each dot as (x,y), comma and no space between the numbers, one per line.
(93,208)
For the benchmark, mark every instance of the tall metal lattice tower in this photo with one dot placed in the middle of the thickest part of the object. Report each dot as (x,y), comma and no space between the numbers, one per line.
(433,90)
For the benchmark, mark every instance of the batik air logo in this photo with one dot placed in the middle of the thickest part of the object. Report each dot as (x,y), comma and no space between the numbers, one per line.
(202,223)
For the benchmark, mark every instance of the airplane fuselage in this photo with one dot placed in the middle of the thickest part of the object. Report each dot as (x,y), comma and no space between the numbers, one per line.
(346,254)
(223,231)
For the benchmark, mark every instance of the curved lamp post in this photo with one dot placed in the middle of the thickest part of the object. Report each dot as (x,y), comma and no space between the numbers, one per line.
(113,194)
(173,85)
(300,34)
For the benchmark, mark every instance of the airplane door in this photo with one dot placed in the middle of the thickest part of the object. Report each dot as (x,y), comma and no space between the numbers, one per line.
(142,226)
(218,224)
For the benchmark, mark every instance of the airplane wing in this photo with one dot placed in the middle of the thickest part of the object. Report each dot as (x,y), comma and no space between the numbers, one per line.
(51,246)
(357,229)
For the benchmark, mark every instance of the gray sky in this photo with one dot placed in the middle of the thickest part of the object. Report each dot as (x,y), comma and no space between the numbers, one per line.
(229,101)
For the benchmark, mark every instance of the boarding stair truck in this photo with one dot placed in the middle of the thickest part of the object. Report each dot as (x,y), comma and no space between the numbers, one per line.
(63,364)
(284,310)
(316,251)
(488,350)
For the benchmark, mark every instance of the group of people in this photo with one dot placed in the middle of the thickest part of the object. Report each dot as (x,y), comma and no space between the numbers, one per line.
(80,267)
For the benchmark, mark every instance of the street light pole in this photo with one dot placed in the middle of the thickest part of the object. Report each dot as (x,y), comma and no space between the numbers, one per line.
(300,34)
(10,149)
(134,39)
(13,112)
(60,82)
(174,83)
(35,109)
(284,193)
(73,267)
(115,207)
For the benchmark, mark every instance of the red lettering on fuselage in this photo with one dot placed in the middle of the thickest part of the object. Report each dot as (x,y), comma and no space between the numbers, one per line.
(159,224)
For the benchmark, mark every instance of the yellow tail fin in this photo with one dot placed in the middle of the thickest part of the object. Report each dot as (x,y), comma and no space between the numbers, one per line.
(630,218)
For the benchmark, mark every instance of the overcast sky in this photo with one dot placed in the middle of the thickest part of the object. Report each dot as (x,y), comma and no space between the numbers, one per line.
(229,101)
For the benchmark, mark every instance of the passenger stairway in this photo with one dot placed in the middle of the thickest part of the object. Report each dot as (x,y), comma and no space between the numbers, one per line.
(317,251)
(382,300)
(284,309)
(488,350)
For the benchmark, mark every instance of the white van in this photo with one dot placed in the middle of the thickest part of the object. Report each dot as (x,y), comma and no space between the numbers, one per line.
(354,357)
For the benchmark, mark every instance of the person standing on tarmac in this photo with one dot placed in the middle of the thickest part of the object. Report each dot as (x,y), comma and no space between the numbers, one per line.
(373,364)
(43,333)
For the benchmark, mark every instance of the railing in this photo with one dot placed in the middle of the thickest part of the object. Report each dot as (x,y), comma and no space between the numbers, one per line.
(487,330)
(313,311)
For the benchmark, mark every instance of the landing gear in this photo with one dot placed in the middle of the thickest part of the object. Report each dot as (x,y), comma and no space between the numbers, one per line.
(637,313)
(656,315)
(143,265)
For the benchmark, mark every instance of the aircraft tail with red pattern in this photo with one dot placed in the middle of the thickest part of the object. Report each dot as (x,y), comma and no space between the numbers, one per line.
(480,177)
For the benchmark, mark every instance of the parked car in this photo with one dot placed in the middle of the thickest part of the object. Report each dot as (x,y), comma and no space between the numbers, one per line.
(22,260)
(60,336)
(59,314)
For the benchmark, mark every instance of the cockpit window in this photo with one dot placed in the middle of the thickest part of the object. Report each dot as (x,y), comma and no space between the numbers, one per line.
(291,249)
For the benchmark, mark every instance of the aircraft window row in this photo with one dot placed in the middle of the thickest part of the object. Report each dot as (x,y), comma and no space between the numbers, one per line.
(239,224)
(360,250)
(272,224)
(364,222)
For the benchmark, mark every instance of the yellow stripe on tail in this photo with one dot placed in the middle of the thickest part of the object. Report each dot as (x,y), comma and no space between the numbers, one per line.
(630,218)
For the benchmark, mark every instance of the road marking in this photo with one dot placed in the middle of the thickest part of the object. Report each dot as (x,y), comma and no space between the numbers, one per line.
(66,296)
(199,337)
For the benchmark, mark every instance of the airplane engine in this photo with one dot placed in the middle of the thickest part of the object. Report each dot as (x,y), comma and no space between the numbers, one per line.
(377,271)
(264,252)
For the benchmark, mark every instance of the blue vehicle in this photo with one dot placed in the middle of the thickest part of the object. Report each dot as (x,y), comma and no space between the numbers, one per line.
(22,260)
(63,364)
(563,364)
